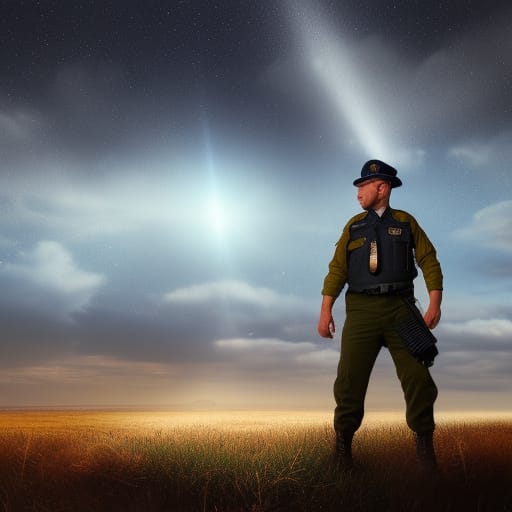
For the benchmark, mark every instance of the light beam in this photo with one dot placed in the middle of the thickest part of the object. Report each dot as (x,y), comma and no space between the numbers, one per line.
(330,60)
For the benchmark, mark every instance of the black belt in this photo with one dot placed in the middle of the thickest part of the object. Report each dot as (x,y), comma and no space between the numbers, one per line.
(383,289)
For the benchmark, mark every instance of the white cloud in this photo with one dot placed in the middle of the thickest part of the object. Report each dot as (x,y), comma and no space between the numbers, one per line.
(476,154)
(230,290)
(273,344)
(489,328)
(461,307)
(270,351)
(57,200)
(50,268)
(491,226)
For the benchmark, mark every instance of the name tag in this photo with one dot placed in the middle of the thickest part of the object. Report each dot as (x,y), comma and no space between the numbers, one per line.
(395,231)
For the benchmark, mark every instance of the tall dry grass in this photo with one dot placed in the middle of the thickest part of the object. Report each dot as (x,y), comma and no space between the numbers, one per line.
(250,462)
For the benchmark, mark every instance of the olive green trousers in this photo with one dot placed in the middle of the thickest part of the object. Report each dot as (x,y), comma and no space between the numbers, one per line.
(371,323)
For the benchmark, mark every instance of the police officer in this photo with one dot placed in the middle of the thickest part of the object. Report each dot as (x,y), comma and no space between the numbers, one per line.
(377,256)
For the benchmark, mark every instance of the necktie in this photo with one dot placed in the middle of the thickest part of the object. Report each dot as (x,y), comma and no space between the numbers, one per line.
(374,259)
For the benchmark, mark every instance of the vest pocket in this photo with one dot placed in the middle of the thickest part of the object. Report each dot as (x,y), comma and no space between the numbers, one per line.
(401,255)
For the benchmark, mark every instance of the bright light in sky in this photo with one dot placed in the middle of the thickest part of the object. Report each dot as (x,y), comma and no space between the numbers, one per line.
(217,217)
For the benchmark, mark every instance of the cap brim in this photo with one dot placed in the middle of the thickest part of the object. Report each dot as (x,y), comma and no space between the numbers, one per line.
(395,182)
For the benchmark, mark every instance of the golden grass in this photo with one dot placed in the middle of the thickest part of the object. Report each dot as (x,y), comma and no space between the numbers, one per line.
(255,461)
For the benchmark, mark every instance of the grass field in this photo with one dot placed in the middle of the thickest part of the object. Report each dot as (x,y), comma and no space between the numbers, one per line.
(259,461)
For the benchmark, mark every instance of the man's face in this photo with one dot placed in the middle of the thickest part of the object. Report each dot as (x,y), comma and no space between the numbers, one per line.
(371,193)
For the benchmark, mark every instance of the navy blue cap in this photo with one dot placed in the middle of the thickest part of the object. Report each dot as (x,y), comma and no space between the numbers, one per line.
(376,169)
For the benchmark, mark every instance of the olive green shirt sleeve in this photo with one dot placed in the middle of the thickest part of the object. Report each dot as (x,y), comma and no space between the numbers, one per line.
(337,276)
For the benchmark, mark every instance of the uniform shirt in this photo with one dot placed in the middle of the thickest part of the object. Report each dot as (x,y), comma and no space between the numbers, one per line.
(424,253)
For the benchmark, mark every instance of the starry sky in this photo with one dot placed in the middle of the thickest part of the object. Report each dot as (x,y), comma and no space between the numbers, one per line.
(174,176)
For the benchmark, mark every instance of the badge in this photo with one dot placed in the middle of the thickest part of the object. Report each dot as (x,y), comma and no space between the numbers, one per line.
(395,231)
(374,168)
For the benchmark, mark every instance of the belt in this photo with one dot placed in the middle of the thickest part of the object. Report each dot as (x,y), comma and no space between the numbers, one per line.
(383,289)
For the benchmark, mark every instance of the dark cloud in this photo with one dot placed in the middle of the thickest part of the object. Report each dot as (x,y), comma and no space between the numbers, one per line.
(489,372)
(31,337)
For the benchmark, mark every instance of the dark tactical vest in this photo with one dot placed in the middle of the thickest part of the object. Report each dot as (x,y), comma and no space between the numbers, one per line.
(380,252)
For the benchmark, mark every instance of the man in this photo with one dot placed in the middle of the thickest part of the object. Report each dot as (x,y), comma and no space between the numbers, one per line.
(377,256)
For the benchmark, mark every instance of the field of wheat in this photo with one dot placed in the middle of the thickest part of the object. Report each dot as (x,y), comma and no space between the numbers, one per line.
(247,461)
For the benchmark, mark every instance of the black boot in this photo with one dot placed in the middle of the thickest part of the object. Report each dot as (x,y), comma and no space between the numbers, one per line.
(425,454)
(343,454)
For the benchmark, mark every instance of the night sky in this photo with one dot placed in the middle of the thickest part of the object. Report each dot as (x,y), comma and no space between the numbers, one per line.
(174,176)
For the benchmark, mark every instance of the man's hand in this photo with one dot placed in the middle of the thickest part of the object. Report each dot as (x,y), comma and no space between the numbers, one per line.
(433,313)
(326,327)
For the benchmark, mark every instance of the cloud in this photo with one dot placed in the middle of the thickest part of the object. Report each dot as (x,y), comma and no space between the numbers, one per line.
(52,266)
(236,310)
(51,269)
(474,62)
(475,356)
(495,329)
(81,368)
(277,369)
(474,370)
(59,200)
(232,291)
(463,306)
(92,380)
(266,352)
(475,154)
(491,227)
(477,342)
(491,155)
(22,136)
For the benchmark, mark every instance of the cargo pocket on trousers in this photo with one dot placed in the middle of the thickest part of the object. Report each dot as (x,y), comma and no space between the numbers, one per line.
(418,339)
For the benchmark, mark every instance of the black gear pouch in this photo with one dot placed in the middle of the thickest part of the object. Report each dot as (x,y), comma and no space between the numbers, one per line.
(417,337)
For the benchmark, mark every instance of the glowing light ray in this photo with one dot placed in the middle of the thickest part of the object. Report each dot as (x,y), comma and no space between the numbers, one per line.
(349,100)
(216,216)
(217,219)
(331,63)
